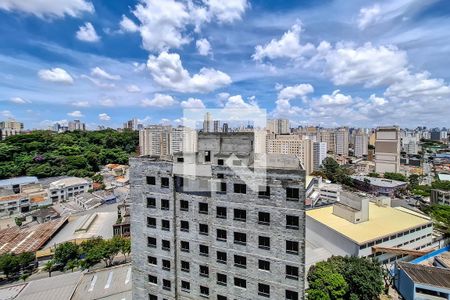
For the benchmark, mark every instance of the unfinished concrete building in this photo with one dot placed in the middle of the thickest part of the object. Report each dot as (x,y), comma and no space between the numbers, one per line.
(221,223)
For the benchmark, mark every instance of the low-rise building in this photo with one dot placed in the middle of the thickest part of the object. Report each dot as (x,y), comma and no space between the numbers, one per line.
(14,204)
(10,128)
(88,201)
(426,277)
(67,188)
(122,226)
(440,197)
(378,186)
(320,192)
(358,227)
(15,184)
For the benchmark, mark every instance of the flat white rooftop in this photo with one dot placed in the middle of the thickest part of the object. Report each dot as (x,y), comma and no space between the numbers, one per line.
(383,221)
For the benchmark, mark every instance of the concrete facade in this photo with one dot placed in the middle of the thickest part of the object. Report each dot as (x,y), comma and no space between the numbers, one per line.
(440,197)
(232,232)
(387,150)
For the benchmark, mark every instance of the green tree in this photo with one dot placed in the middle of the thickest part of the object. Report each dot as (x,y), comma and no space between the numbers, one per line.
(107,251)
(395,176)
(346,278)
(45,154)
(441,216)
(49,266)
(25,259)
(373,174)
(125,247)
(66,252)
(72,264)
(9,264)
(413,180)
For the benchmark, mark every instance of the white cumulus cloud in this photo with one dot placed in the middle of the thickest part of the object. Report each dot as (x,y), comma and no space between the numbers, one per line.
(192,103)
(104,117)
(336,98)
(161,23)
(168,71)
(368,16)
(288,46)
(227,11)
(55,75)
(203,47)
(367,64)
(75,114)
(87,33)
(165,24)
(299,90)
(237,102)
(159,100)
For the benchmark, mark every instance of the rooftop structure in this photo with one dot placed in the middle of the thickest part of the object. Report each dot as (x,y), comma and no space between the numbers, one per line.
(16,182)
(85,227)
(382,222)
(346,229)
(426,277)
(88,201)
(29,239)
(67,188)
(107,284)
(378,186)
(444,177)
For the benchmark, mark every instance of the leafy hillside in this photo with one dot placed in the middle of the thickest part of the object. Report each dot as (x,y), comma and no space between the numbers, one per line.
(45,154)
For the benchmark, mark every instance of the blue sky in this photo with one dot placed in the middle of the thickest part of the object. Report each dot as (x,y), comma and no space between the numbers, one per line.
(329,63)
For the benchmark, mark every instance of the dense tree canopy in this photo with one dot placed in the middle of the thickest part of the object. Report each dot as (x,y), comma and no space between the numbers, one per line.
(441,216)
(45,154)
(395,176)
(345,278)
(90,252)
(425,190)
(12,264)
(331,170)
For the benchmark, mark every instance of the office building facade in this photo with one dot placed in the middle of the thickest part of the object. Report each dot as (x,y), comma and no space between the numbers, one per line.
(278,126)
(387,150)
(10,128)
(212,235)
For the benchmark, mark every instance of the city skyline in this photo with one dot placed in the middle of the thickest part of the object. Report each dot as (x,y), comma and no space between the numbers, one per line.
(367,65)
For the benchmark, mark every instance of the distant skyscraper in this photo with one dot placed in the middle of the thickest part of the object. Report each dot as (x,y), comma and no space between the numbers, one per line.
(319,154)
(293,144)
(216,126)
(208,123)
(342,141)
(361,144)
(155,140)
(387,150)
(278,126)
(161,140)
(328,136)
(225,127)
(9,128)
(77,125)
(131,124)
